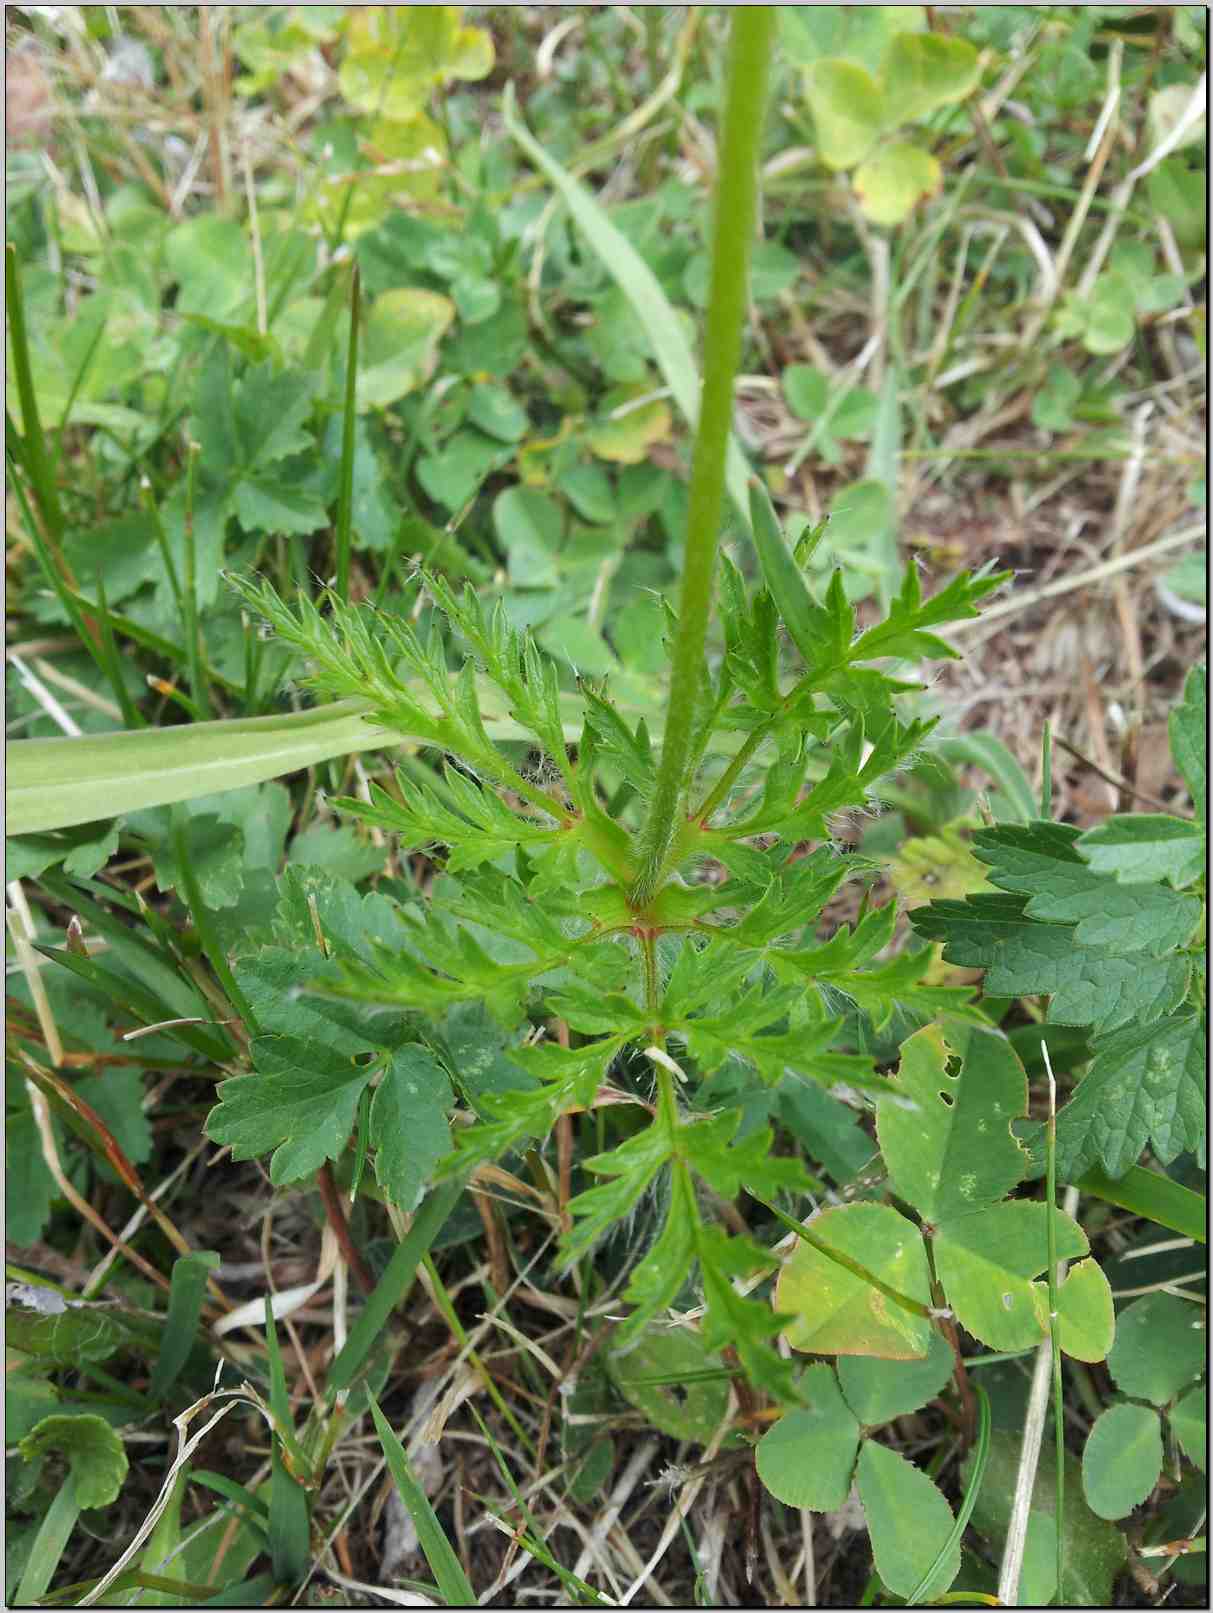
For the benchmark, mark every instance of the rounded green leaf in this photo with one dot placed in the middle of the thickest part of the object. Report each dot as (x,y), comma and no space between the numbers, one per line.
(1122,1460)
(807,1458)
(1086,1314)
(676,1382)
(908,1521)
(892,183)
(986,1263)
(1160,1347)
(879,1390)
(924,71)
(837,1312)
(847,108)
(1189,1423)
(400,344)
(530,528)
(952,1151)
(93,1450)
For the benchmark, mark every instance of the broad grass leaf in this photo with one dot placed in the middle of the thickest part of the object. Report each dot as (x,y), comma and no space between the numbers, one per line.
(1160,1347)
(807,1458)
(879,1390)
(1121,1460)
(908,1521)
(953,1152)
(839,1313)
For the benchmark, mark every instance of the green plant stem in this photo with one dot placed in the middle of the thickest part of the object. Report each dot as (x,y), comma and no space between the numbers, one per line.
(345,507)
(732,235)
(193,645)
(1059,1432)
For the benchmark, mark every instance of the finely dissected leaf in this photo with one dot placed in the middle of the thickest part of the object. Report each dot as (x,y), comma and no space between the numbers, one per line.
(1041,861)
(1121,1460)
(807,1458)
(633,1164)
(879,1390)
(908,1520)
(952,1151)
(1160,1347)
(1146,1085)
(663,1273)
(839,1313)
(93,1450)
(732,1318)
(408,1124)
(1188,727)
(986,1261)
(1088,985)
(676,1382)
(1143,847)
(301,1103)
(1086,1314)
(1189,1423)
(1094,1551)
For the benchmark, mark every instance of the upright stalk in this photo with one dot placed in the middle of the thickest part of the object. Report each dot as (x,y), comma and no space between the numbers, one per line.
(732,237)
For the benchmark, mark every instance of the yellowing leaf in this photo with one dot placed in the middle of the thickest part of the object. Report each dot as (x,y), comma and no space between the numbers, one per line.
(847,108)
(892,183)
(400,344)
(627,438)
(396,54)
(924,71)
(1086,1315)
(837,1312)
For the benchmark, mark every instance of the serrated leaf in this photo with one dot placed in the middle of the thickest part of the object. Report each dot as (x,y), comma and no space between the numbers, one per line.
(1121,1460)
(807,1459)
(408,1124)
(1160,1347)
(94,1452)
(301,1103)
(908,1520)
(951,1151)
(1041,861)
(733,1319)
(1144,847)
(1188,727)
(1089,985)
(877,1391)
(1145,1085)
(986,1262)
(837,1312)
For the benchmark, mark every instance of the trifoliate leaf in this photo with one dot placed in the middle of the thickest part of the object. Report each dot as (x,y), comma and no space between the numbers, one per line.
(1160,1347)
(301,1102)
(807,1459)
(838,1312)
(408,1124)
(1144,847)
(908,1520)
(1145,1085)
(986,1262)
(94,1452)
(1121,1460)
(952,1152)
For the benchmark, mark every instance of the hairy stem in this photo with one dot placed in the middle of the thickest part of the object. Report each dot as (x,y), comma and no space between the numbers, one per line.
(732,234)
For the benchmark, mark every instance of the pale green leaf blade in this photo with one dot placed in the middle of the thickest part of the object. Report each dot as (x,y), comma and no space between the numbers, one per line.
(408,1124)
(93,1450)
(986,1263)
(891,183)
(678,1384)
(439,1553)
(1121,1460)
(909,1522)
(837,1312)
(924,71)
(879,1390)
(848,110)
(1086,1314)
(1189,1424)
(1145,847)
(807,1458)
(640,285)
(1160,1347)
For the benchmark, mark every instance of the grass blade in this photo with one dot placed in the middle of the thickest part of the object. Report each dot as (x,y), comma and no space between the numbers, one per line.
(186,1293)
(54,1532)
(289,1524)
(345,507)
(439,1553)
(640,286)
(981,1455)
(1153,1196)
(33,437)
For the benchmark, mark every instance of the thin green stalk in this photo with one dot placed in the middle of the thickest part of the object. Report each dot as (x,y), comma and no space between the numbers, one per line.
(732,236)
(193,646)
(1059,1430)
(33,437)
(1046,785)
(345,506)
